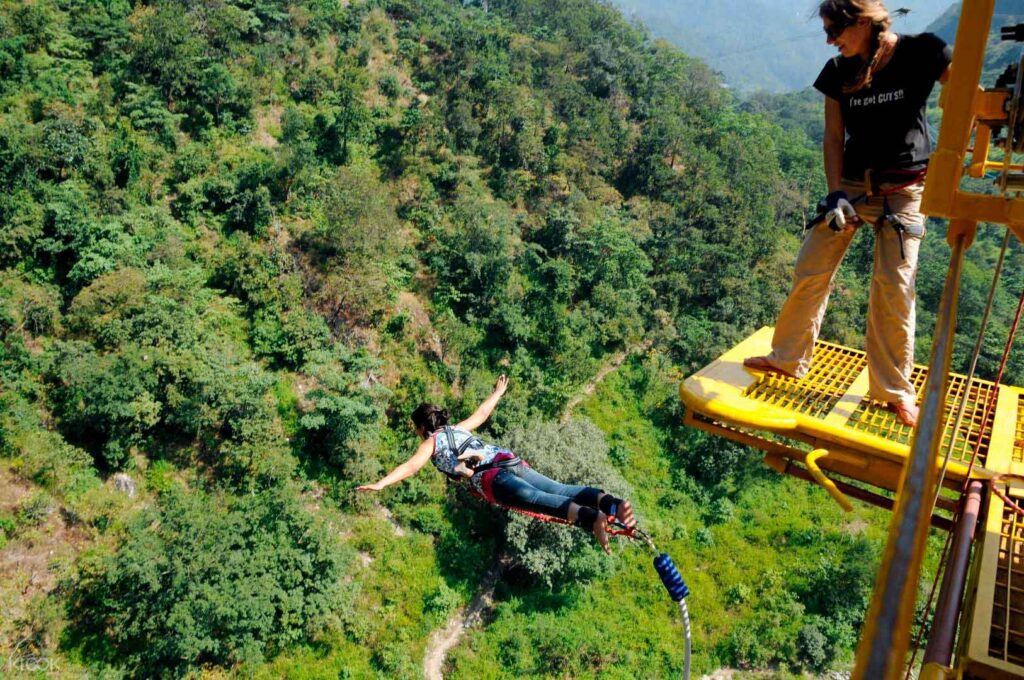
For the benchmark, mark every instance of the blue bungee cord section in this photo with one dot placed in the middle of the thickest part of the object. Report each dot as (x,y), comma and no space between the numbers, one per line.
(673,581)
(678,591)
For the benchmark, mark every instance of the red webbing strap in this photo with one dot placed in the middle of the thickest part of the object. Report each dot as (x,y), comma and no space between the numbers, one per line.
(612,531)
(915,177)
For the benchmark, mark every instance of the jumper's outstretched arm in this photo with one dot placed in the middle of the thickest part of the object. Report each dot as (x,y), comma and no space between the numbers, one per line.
(483,411)
(406,469)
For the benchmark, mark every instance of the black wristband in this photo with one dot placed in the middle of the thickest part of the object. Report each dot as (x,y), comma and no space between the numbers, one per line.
(609,504)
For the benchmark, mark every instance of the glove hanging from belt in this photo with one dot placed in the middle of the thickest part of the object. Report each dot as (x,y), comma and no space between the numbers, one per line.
(837,207)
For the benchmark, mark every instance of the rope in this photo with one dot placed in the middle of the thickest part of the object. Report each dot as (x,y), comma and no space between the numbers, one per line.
(975,354)
(685,613)
(1005,497)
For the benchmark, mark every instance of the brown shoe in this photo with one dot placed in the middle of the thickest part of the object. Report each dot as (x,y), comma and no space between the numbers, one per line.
(762,364)
(906,412)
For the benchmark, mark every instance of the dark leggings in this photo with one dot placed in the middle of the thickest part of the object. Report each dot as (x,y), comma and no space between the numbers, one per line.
(525,488)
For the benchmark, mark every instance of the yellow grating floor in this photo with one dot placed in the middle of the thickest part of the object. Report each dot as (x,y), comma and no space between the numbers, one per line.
(1006,641)
(833,370)
(981,392)
(873,418)
(1018,436)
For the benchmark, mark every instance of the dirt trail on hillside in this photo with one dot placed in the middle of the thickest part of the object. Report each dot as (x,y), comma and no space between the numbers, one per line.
(443,639)
(608,367)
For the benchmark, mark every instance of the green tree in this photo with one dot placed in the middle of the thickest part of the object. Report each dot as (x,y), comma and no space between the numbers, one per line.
(202,580)
(575,453)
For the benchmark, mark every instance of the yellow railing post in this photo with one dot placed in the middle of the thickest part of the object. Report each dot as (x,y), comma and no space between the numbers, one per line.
(811,461)
(959,99)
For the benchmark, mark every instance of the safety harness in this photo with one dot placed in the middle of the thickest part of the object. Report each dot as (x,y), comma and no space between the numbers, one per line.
(500,462)
(873,181)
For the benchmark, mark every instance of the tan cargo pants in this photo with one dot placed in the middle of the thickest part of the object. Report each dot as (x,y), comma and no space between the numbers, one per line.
(891,314)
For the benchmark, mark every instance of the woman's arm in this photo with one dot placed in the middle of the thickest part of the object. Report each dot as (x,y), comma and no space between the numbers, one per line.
(835,138)
(406,469)
(483,412)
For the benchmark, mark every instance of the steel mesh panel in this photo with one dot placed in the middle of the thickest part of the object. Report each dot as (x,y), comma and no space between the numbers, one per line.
(1006,641)
(833,370)
(876,418)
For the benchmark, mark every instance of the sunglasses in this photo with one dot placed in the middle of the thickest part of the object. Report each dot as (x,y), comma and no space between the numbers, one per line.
(835,30)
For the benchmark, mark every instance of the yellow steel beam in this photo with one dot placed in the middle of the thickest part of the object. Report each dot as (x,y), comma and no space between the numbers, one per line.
(960,96)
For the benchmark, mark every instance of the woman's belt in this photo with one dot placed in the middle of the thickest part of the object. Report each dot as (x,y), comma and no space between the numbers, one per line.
(500,464)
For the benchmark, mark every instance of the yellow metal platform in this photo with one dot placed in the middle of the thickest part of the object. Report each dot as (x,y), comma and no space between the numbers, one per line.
(826,422)
(828,410)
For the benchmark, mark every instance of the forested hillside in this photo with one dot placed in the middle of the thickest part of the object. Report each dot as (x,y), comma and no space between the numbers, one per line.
(242,239)
(999,54)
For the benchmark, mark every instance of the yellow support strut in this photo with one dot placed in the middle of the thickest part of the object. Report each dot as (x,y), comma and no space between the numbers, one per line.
(812,466)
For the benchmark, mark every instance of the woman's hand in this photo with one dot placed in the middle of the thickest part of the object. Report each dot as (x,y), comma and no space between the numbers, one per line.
(472,458)
(501,385)
(468,462)
(376,486)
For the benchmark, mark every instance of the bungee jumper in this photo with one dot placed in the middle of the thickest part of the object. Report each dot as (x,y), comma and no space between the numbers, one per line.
(502,478)
(876,149)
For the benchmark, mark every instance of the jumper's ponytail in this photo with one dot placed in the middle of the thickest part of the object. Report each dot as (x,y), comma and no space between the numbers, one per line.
(847,12)
(430,417)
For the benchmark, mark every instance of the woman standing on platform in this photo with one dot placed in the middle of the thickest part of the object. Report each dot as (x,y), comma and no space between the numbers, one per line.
(876,150)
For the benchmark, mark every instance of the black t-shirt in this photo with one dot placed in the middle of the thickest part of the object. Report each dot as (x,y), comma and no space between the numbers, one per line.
(885,122)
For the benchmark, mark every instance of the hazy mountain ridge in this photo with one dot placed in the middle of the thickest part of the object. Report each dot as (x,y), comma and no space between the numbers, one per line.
(755,44)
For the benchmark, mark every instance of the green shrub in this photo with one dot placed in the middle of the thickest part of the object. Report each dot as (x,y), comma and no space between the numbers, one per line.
(35,509)
(160,477)
(812,648)
(200,580)
(575,453)
(8,525)
(442,602)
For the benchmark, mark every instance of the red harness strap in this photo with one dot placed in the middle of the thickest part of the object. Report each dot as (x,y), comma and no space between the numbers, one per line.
(487,479)
(615,528)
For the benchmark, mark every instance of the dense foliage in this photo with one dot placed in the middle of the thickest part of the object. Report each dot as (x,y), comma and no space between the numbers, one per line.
(195,583)
(241,239)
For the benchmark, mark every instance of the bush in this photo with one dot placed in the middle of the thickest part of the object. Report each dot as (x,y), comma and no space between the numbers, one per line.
(35,509)
(201,580)
(575,453)
(812,648)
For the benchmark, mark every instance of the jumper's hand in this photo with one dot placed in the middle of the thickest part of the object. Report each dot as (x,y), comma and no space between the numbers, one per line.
(376,486)
(501,385)
(472,458)
(464,470)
